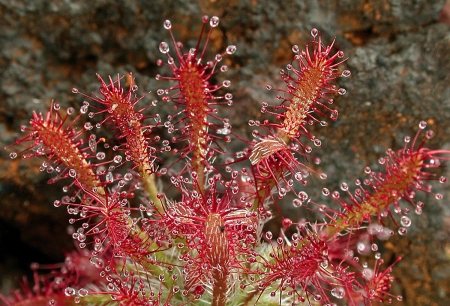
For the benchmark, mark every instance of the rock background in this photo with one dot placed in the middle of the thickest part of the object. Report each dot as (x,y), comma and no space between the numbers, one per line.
(399,58)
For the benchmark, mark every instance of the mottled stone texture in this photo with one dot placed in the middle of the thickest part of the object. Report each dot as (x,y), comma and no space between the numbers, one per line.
(399,58)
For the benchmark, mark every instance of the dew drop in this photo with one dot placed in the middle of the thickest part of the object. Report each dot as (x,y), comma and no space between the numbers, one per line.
(74,90)
(269,235)
(226,83)
(13,155)
(295,49)
(56,106)
(228,96)
(325,192)
(314,32)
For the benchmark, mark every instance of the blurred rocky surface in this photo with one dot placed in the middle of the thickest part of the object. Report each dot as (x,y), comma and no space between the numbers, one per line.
(399,58)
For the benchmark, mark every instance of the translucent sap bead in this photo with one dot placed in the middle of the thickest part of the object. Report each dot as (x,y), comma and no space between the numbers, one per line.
(314,32)
(286,222)
(405,221)
(214,22)
(297,203)
(402,231)
(167,25)
(82,292)
(346,73)
(303,196)
(338,292)
(69,291)
(342,91)
(164,47)
(231,49)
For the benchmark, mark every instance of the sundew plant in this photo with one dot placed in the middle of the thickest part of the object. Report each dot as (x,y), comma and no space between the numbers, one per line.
(165,213)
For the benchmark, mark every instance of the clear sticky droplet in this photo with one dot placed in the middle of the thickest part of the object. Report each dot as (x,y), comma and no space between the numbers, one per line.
(346,73)
(342,91)
(167,25)
(402,231)
(69,291)
(163,47)
(231,49)
(214,22)
(314,32)
(72,173)
(405,221)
